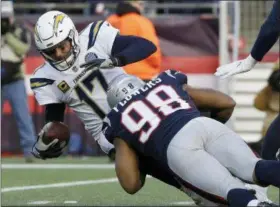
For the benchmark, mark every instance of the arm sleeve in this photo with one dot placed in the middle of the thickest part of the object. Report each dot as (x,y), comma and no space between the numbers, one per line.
(130,49)
(269,33)
(54,112)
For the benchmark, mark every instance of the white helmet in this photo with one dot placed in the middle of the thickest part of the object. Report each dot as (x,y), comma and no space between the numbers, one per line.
(52,28)
(122,86)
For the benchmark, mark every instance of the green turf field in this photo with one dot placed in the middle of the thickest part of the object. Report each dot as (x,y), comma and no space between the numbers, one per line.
(81,185)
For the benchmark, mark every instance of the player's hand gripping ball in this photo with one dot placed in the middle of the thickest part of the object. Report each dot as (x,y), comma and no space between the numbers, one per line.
(51,141)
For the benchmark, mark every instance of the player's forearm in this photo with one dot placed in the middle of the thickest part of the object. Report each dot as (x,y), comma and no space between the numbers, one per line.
(54,112)
(127,167)
(209,99)
(268,34)
(221,115)
(130,49)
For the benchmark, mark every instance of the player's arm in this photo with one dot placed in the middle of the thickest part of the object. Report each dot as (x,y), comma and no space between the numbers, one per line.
(127,168)
(122,49)
(269,33)
(219,104)
(129,49)
(54,112)
(267,37)
(41,150)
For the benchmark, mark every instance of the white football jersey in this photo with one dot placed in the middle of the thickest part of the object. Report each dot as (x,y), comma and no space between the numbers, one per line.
(83,91)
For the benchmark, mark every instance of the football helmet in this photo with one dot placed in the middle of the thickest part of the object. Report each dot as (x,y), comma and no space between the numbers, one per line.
(121,87)
(51,29)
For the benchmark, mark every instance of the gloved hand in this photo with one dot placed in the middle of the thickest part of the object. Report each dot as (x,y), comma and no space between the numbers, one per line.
(101,63)
(44,151)
(236,67)
(274,80)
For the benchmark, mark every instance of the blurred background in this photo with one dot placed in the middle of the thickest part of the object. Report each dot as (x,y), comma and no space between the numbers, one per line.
(195,37)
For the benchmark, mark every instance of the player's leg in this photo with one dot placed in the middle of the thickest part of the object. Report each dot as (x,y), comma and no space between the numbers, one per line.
(18,100)
(201,172)
(271,141)
(233,153)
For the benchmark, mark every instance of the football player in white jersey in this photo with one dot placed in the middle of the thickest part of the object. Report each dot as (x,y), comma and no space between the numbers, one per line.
(70,77)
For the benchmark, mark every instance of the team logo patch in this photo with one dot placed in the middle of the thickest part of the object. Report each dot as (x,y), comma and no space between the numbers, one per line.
(58,19)
(90,56)
(63,86)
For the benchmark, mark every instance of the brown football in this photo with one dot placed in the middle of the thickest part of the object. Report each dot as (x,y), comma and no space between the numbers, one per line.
(56,130)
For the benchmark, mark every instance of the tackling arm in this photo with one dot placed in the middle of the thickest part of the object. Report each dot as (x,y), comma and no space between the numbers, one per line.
(220,105)
(127,168)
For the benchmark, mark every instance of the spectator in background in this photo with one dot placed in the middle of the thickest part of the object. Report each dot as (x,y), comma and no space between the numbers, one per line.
(267,100)
(129,21)
(15,43)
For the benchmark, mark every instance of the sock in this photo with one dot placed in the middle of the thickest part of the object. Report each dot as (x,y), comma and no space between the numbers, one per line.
(267,172)
(240,197)
(271,141)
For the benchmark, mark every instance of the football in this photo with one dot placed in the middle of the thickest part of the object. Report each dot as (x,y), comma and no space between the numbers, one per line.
(56,130)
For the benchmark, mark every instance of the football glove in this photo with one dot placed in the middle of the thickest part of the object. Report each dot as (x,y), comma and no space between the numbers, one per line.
(236,67)
(44,151)
(274,80)
(101,63)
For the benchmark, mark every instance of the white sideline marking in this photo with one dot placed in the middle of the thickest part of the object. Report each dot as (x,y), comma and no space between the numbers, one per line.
(70,202)
(183,203)
(38,202)
(58,185)
(57,166)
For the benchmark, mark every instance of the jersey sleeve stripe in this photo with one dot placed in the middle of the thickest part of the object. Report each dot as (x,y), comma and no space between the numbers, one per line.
(40,82)
(95,27)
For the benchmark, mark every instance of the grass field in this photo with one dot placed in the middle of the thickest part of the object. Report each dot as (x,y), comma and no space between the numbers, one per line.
(85,182)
